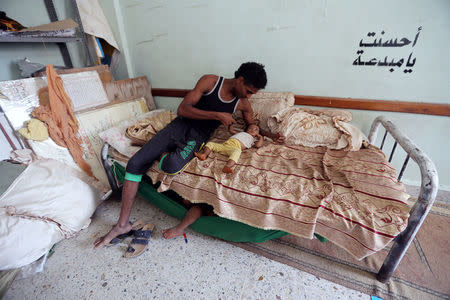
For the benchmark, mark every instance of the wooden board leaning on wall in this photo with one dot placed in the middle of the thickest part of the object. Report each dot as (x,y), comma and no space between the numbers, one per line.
(348,103)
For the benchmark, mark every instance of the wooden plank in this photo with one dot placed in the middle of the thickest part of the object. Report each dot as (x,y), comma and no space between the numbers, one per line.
(130,89)
(437,109)
(178,93)
(378,105)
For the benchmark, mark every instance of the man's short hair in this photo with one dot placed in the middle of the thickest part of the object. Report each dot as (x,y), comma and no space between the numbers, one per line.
(253,74)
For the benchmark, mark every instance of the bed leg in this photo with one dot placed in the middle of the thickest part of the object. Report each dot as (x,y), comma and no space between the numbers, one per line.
(116,190)
(417,215)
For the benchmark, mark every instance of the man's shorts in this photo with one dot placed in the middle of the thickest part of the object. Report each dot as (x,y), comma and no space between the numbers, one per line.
(178,140)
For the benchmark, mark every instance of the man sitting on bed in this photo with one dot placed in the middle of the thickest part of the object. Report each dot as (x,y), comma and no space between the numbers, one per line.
(208,105)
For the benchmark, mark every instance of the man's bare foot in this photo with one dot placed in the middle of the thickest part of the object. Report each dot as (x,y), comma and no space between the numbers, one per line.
(114,232)
(201,156)
(227,170)
(172,232)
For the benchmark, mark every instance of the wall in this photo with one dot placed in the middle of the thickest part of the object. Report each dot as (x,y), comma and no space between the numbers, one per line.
(308,47)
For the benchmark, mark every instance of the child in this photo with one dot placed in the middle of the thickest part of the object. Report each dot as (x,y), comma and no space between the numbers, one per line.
(231,147)
(234,146)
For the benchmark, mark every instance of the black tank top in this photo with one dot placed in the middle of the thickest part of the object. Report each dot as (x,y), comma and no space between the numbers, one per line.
(213,102)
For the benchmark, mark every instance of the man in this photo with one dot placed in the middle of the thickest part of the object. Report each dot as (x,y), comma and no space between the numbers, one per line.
(209,104)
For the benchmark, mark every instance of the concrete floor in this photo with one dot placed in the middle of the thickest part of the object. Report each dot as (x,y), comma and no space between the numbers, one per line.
(204,268)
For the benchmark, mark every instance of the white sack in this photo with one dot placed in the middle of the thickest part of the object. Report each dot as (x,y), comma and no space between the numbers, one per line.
(47,202)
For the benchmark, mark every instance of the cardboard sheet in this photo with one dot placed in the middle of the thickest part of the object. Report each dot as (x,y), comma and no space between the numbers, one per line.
(91,123)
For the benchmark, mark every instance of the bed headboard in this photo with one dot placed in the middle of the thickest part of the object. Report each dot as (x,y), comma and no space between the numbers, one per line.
(427,195)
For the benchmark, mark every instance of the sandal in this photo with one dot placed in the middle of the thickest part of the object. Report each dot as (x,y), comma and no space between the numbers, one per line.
(140,242)
(134,227)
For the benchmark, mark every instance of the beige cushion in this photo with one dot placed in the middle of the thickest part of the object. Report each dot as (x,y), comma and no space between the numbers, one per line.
(143,130)
(115,136)
(340,114)
(315,128)
(266,104)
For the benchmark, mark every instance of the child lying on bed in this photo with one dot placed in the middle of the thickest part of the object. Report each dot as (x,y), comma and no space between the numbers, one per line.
(232,148)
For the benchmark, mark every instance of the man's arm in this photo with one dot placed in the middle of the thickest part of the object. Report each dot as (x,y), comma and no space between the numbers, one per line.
(186,108)
(276,137)
(247,112)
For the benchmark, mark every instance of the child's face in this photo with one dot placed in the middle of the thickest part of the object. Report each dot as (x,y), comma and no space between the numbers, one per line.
(253,130)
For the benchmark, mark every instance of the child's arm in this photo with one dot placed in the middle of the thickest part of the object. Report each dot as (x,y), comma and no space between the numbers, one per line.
(259,142)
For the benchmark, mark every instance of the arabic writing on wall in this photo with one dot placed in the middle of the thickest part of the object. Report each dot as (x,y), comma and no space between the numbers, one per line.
(388,43)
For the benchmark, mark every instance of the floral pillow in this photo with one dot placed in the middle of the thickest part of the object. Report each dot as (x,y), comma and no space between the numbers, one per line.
(315,128)
(266,104)
(340,114)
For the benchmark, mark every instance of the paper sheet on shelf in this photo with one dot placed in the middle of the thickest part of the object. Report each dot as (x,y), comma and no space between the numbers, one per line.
(57,25)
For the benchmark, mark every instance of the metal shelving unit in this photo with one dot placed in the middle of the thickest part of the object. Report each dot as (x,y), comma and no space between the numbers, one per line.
(39,39)
(60,41)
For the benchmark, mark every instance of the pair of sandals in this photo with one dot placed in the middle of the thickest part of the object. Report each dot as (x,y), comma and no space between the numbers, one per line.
(141,233)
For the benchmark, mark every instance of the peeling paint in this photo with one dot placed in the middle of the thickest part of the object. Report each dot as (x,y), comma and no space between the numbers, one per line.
(146,41)
(134,4)
(155,7)
(197,6)
(155,36)
(276,28)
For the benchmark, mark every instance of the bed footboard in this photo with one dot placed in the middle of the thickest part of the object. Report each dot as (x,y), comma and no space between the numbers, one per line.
(427,195)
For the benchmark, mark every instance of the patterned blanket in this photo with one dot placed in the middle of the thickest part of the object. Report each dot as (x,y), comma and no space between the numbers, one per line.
(350,197)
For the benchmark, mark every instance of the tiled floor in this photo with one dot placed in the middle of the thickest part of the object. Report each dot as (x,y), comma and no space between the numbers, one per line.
(204,268)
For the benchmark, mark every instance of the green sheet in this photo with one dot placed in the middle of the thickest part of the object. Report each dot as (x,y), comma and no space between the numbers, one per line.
(211,225)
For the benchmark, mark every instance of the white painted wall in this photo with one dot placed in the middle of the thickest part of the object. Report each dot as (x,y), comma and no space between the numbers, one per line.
(308,47)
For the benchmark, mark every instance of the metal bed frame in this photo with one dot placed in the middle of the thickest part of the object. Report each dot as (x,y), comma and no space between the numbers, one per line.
(418,213)
(425,200)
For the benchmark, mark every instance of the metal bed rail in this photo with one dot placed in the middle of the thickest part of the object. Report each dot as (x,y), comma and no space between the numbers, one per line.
(427,195)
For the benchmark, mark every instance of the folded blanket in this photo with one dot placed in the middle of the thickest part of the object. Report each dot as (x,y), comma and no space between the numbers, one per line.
(311,128)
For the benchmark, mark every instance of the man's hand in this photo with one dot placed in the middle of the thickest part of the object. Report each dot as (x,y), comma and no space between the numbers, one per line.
(225,118)
(231,129)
